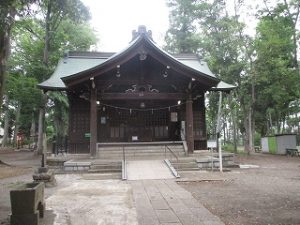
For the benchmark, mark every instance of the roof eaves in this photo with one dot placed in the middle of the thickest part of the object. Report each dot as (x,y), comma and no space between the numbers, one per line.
(110,59)
(172,58)
(223,86)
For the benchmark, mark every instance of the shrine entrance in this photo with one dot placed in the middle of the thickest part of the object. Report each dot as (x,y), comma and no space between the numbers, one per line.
(123,124)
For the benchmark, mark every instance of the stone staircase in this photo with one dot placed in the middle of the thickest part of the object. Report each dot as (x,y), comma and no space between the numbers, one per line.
(212,161)
(107,169)
(202,162)
(185,164)
(144,150)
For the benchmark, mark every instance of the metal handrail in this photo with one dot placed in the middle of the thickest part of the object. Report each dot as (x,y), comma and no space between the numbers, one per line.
(173,153)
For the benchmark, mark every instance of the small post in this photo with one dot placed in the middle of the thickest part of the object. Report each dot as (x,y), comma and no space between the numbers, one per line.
(219,131)
(212,159)
(220,152)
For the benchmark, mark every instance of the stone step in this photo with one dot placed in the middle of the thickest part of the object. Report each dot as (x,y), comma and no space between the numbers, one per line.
(187,169)
(208,165)
(184,160)
(105,170)
(138,150)
(134,155)
(179,162)
(102,176)
(206,162)
(185,164)
(142,148)
(100,167)
(116,163)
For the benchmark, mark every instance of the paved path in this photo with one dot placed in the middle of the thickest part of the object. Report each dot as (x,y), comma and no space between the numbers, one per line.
(164,202)
(148,169)
(91,202)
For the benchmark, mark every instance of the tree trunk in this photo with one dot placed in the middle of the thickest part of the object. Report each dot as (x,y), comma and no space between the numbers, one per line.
(5,33)
(4,52)
(233,118)
(32,132)
(247,135)
(224,132)
(6,121)
(17,123)
(40,130)
(250,131)
(234,132)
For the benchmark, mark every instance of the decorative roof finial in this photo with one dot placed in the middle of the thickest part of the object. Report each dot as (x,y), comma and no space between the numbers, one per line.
(142,30)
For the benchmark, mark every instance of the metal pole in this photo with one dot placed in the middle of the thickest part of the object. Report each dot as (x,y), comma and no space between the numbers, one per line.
(219,131)
(212,159)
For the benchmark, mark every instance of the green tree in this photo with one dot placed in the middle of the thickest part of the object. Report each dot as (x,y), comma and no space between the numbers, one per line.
(221,41)
(278,74)
(33,59)
(23,95)
(9,9)
(180,37)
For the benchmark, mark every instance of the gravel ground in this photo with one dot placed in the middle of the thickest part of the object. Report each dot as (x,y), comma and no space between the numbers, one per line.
(269,194)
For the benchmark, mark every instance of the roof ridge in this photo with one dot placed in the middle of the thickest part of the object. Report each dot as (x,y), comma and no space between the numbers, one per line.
(88,54)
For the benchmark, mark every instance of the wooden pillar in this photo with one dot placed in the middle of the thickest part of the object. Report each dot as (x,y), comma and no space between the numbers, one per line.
(93,122)
(189,124)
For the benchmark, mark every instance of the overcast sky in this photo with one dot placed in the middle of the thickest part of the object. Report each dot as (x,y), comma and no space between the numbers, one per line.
(114,20)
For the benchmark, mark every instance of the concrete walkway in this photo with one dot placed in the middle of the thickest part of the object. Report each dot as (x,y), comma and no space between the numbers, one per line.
(77,201)
(164,202)
(148,169)
(91,202)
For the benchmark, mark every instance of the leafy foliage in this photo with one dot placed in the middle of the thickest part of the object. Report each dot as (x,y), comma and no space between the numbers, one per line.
(278,79)
(265,69)
(35,53)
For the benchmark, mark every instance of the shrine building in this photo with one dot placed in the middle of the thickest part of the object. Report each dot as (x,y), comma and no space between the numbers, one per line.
(141,94)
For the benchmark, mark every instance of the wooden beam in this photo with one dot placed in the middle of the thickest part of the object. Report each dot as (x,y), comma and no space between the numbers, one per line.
(189,124)
(143,95)
(93,122)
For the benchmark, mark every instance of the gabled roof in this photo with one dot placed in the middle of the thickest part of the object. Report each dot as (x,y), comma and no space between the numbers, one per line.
(73,63)
(77,67)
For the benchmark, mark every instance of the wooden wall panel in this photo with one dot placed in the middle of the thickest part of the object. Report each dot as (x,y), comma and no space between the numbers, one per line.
(79,125)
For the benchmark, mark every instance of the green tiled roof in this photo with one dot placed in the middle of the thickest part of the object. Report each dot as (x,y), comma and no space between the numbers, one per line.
(69,66)
(80,61)
(78,66)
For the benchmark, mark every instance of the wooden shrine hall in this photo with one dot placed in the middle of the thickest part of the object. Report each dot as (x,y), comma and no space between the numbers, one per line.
(141,94)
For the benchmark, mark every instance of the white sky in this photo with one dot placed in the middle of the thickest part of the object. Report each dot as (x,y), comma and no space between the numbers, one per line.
(114,20)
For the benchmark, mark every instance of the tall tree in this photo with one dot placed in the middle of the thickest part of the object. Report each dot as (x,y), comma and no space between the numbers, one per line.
(33,59)
(55,11)
(278,71)
(9,9)
(180,37)
(222,42)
